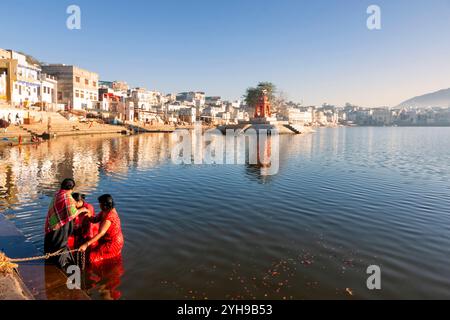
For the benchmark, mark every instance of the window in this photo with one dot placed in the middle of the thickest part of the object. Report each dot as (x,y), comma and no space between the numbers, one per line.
(77,79)
(77,93)
(94,83)
(82,94)
(86,82)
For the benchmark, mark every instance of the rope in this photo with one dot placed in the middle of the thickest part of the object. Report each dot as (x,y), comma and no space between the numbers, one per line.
(7,264)
(80,259)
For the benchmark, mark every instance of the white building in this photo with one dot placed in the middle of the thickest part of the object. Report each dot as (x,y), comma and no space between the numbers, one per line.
(197,99)
(300,115)
(25,90)
(144,99)
(48,90)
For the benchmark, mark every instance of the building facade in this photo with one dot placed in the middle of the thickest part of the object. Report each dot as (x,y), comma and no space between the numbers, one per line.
(196,99)
(22,82)
(77,88)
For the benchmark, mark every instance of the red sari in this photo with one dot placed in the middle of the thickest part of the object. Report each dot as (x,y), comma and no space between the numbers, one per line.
(110,245)
(105,278)
(83,229)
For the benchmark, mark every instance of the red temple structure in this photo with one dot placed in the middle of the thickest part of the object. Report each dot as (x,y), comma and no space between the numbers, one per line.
(262,109)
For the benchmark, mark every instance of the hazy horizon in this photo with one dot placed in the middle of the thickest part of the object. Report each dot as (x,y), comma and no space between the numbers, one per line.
(315,52)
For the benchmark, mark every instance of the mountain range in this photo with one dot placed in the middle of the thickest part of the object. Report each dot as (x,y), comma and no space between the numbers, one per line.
(439,98)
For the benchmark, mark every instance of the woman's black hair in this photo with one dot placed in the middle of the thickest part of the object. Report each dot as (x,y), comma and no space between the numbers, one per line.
(68,184)
(78,196)
(107,201)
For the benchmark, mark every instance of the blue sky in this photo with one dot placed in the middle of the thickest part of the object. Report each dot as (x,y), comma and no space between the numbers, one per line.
(314,51)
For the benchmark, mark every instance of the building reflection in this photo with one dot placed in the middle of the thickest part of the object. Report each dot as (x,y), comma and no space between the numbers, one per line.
(30,171)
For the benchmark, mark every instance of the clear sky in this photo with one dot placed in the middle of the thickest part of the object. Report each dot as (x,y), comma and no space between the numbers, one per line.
(314,51)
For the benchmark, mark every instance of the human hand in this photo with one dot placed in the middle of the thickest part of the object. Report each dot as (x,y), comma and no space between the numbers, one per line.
(83,247)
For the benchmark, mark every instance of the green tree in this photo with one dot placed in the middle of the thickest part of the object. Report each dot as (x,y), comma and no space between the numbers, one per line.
(254,93)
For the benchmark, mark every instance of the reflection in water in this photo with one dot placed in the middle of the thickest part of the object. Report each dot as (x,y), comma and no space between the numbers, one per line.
(341,200)
(103,280)
(30,171)
(267,159)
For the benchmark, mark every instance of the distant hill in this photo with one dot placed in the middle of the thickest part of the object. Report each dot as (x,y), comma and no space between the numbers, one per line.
(439,98)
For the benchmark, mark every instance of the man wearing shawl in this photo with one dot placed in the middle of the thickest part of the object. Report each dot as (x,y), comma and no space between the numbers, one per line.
(59,223)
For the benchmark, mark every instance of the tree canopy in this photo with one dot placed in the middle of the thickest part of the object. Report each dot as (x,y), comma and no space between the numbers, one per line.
(254,93)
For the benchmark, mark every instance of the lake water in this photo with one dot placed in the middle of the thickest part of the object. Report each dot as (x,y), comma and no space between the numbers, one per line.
(343,199)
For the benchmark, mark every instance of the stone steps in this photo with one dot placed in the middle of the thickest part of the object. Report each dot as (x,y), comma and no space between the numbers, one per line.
(44,282)
(295,128)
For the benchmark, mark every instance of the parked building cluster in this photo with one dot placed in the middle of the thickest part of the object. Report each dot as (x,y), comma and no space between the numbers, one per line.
(327,115)
(24,82)
(427,116)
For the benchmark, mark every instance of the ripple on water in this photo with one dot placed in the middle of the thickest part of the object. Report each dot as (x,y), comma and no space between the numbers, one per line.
(343,199)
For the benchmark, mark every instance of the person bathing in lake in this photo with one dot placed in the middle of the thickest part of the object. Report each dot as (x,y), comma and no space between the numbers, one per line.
(108,243)
(59,223)
(83,229)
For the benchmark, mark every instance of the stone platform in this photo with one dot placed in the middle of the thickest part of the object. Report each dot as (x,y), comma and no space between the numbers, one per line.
(283,127)
(41,281)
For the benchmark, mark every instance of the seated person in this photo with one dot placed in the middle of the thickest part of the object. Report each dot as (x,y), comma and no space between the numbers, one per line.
(83,229)
(108,243)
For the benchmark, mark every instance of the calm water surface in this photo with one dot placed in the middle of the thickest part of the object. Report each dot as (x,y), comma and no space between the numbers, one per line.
(343,199)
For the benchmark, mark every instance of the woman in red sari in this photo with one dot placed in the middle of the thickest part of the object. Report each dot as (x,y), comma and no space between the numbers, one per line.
(108,243)
(84,230)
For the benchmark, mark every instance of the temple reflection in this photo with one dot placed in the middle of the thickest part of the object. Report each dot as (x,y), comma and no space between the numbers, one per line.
(30,171)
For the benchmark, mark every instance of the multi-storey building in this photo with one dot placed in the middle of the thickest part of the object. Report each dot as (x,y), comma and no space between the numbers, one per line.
(299,115)
(22,82)
(20,78)
(77,88)
(48,90)
(144,99)
(192,98)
